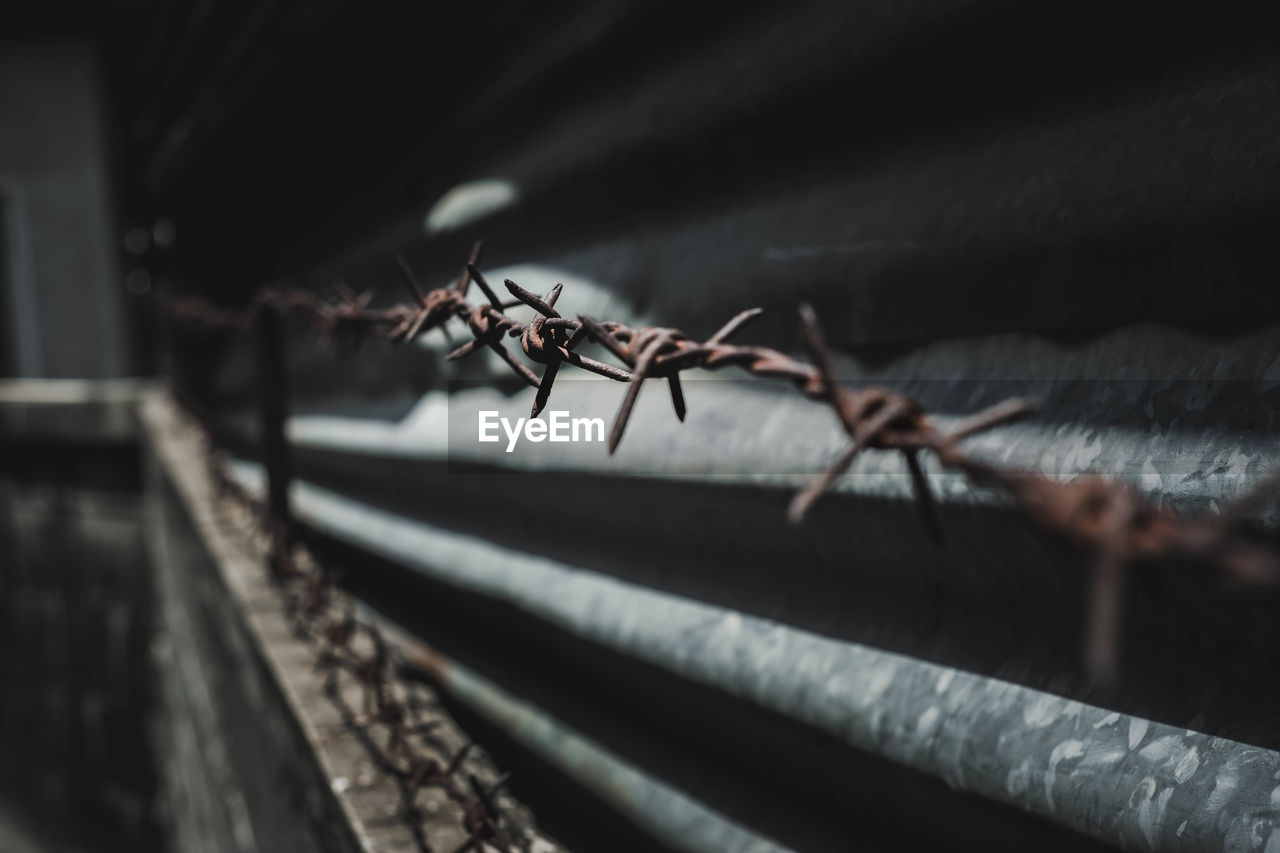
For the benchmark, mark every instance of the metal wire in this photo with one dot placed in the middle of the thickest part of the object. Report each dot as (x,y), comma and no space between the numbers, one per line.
(355,651)
(1104,517)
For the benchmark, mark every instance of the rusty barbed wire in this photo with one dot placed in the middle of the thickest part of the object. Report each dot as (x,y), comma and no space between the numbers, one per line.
(347,646)
(1102,516)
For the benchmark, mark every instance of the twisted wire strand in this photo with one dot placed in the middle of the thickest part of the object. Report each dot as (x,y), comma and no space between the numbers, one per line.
(1104,517)
(343,644)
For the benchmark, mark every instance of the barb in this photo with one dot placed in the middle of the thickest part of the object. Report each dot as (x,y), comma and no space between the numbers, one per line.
(1103,517)
(389,722)
(885,420)
(408,749)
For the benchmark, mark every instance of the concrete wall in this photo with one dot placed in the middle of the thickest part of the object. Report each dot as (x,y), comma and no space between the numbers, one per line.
(154,695)
(135,713)
(76,626)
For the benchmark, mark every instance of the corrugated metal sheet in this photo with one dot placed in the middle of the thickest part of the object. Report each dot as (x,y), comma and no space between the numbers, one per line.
(980,199)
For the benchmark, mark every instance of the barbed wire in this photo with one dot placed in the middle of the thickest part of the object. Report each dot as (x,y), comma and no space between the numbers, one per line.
(355,649)
(1100,515)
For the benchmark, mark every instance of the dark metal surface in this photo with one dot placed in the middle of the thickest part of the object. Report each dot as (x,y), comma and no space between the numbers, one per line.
(1101,515)
(1121,778)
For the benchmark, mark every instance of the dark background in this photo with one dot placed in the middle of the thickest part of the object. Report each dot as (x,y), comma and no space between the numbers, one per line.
(980,166)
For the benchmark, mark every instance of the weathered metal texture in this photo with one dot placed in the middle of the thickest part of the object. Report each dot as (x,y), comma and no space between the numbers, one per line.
(1116,777)
(780,445)
(874,571)
(1098,514)
(963,200)
(744,436)
(676,820)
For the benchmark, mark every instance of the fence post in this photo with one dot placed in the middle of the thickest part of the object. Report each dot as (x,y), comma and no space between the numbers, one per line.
(273,409)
